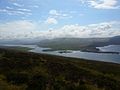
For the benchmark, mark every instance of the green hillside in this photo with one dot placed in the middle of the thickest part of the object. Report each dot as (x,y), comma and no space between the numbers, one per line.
(29,71)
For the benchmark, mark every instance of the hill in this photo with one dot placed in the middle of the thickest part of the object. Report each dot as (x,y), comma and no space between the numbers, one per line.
(30,71)
(83,44)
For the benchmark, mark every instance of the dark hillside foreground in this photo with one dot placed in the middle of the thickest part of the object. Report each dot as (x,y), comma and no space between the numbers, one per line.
(30,71)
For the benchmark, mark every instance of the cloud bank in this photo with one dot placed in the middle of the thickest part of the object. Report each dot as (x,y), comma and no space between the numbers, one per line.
(27,30)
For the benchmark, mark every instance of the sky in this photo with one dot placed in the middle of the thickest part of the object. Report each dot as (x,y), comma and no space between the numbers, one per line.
(20,19)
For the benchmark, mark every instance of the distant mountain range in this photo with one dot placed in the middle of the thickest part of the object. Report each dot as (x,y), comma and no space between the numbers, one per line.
(79,43)
(85,44)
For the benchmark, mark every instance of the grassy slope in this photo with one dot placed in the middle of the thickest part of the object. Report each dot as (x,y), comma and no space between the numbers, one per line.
(29,71)
(16,48)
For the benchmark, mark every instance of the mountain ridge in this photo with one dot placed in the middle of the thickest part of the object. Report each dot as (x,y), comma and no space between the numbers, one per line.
(79,43)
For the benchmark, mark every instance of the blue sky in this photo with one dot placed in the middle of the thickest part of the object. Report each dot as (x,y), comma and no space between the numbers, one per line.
(55,18)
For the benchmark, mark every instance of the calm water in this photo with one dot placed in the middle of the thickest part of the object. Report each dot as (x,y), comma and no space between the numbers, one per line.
(110,48)
(85,55)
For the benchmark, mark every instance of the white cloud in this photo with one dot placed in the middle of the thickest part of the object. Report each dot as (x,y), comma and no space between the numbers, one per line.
(9,7)
(106,29)
(28,29)
(55,16)
(51,21)
(17,5)
(17,26)
(54,12)
(13,29)
(102,4)
(58,14)
(15,9)
(19,11)
(24,10)
(35,6)
(96,30)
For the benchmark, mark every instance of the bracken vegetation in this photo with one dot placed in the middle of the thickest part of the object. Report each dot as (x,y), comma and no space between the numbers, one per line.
(30,71)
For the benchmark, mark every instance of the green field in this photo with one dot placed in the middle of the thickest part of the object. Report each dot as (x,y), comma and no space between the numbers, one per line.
(29,71)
